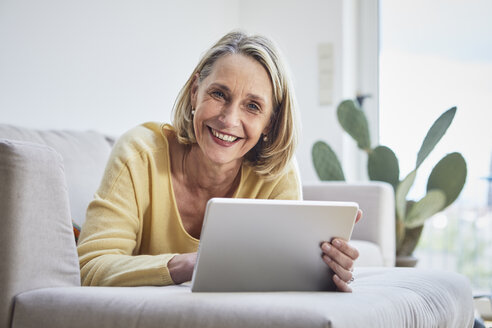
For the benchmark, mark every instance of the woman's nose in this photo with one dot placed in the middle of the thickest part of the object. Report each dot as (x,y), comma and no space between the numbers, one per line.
(230,114)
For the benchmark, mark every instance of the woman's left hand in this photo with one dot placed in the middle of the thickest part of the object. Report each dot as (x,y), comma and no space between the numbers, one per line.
(340,257)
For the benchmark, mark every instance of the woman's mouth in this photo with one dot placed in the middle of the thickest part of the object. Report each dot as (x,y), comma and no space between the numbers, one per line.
(223,136)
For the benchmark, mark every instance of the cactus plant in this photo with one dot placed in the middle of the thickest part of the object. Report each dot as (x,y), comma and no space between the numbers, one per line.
(443,186)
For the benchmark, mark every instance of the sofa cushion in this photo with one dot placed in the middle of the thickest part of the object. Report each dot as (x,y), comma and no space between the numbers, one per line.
(382,297)
(369,253)
(84,155)
(375,198)
(37,247)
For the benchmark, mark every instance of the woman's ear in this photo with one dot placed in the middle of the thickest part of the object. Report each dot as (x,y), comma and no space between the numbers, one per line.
(264,135)
(194,90)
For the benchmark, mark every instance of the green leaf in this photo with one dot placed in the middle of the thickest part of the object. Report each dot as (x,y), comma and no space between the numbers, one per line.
(449,175)
(435,133)
(326,162)
(382,165)
(354,122)
(429,205)
(401,194)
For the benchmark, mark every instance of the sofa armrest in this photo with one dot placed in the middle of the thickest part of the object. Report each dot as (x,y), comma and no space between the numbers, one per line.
(37,246)
(376,199)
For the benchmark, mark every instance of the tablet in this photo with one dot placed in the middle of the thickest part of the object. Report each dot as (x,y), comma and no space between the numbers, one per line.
(251,245)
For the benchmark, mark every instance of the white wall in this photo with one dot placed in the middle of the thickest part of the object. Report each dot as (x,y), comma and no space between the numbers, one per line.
(101,64)
(298,28)
(110,65)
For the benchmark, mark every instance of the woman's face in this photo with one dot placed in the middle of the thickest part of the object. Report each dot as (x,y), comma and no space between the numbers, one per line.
(233,106)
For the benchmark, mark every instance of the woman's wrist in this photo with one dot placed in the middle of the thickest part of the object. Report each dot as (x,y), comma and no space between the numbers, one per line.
(181,267)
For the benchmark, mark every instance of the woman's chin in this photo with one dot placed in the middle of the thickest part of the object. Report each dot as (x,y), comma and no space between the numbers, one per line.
(220,152)
(222,159)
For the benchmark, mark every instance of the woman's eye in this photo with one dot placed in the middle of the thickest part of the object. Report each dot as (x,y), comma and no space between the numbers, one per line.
(253,106)
(218,94)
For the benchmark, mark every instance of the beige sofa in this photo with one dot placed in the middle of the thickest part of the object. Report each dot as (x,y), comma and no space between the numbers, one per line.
(47,179)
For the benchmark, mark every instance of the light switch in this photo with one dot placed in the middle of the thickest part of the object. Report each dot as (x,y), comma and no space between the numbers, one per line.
(325,73)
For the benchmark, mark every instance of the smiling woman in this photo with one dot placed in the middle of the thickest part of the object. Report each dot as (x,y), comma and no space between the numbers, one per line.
(234,134)
(233,109)
(270,156)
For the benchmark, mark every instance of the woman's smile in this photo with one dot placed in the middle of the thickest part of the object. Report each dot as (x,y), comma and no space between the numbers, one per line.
(223,137)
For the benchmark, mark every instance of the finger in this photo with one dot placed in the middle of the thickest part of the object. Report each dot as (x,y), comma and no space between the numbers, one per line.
(342,286)
(336,255)
(359,215)
(346,248)
(344,274)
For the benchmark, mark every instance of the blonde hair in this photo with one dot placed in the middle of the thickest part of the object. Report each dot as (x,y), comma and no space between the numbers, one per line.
(268,158)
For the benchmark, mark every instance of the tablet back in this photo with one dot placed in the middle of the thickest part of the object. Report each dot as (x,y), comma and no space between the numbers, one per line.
(268,245)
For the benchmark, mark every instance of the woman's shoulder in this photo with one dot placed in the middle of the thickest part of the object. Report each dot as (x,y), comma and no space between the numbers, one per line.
(291,171)
(146,138)
(285,186)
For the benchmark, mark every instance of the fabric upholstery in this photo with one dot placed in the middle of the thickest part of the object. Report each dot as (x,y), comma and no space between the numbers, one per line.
(39,266)
(370,254)
(382,297)
(37,247)
(84,155)
(376,199)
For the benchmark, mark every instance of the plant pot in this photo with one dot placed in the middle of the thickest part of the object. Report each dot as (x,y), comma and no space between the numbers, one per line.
(406,261)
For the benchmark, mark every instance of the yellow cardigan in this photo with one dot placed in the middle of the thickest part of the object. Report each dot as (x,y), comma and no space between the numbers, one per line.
(133,227)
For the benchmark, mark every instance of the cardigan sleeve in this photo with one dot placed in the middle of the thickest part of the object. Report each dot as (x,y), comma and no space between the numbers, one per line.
(112,231)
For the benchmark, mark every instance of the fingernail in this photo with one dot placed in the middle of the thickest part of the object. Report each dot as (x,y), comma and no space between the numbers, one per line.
(326,247)
(327,258)
(336,242)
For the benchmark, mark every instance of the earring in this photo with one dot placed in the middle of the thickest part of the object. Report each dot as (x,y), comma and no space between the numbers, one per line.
(192,111)
(265,138)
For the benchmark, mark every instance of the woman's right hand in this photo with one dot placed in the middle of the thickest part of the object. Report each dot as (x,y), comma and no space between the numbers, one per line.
(181,267)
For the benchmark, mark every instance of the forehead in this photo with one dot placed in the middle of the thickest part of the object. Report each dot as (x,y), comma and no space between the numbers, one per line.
(236,70)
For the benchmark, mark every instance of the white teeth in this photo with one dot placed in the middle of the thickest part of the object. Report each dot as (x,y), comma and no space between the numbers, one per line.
(224,137)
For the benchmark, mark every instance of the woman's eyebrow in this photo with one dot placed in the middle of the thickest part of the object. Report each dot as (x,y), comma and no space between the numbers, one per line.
(256,97)
(220,86)
(226,89)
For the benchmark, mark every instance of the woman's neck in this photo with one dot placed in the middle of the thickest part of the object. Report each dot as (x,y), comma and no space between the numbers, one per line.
(208,178)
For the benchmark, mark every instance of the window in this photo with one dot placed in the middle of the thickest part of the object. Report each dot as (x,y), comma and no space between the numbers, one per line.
(435,55)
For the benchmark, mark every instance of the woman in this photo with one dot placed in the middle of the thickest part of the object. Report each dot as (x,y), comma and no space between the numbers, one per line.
(233,135)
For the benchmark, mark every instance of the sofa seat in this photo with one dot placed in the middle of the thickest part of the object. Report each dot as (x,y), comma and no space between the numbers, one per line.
(382,297)
(40,275)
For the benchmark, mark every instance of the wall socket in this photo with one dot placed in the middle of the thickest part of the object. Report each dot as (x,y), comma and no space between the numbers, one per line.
(325,73)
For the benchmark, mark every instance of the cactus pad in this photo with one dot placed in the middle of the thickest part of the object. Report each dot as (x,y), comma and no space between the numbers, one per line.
(382,165)
(401,194)
(326,163)
(354,122)
(435,133)
(429,205)
(449,175)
